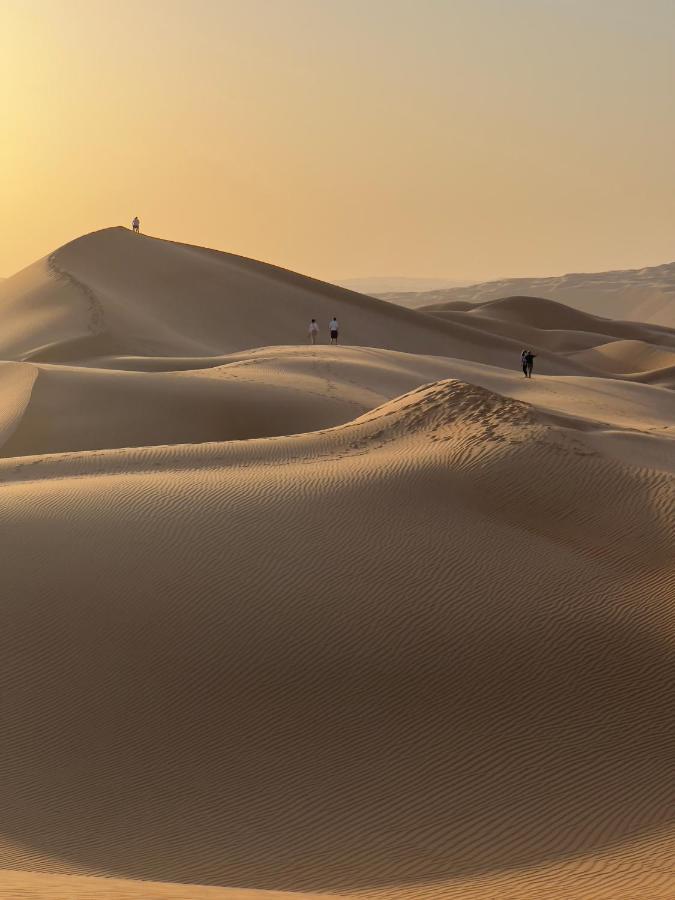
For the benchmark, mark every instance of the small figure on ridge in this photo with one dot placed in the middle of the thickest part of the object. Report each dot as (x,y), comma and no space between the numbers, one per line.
(136,224)
(333,328)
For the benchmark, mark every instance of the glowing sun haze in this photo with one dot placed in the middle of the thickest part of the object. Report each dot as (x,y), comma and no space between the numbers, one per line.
(460,138)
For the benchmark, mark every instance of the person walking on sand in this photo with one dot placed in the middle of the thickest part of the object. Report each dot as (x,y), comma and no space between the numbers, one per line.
(136,225)
(313,331)
(333,328)
(529,362)
(523,362)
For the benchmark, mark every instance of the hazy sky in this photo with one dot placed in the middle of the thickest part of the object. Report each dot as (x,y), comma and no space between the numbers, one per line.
(460,138)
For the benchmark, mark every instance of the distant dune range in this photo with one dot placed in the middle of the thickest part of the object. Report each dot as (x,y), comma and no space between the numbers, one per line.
(404,287)
(377,620)
(643,295)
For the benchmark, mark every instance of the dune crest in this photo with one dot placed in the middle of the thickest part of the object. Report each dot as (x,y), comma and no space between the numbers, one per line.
(115,293)
(641,295)
(225,733)
(385,622)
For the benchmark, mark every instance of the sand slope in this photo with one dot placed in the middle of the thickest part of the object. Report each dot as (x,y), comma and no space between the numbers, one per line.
(548,315)
(113,292)
(280,390)
(629,357)
(381,621)
(81,409)
(642,295)
(241,679)
(632,350)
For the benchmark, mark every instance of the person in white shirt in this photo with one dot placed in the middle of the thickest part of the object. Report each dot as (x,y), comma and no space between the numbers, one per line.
(136,224)
(333,328)
(313,331)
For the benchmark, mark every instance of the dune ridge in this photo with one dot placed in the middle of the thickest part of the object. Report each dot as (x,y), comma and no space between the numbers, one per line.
(387,622)
(631,350)
(642,295)
(112,292)
(274,391)
(237,721)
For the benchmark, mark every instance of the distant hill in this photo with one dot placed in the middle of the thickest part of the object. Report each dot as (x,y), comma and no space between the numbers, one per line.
(641,295)
(376,285)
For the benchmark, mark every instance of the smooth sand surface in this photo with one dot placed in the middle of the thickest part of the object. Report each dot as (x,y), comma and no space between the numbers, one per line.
(120,293)
(387,621)
(640,295)
(277,390)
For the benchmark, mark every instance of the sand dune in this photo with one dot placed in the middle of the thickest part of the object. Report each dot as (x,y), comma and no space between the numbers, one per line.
(374,286)
(113,292)
(606,346)
(626,357)
(535,316)
(446,699)
(16,385)
(549,315)
(387,621)
(642,295)
(276,391)
(85,409)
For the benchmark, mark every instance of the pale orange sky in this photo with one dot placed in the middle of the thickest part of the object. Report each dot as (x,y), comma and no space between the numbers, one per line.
(344,138)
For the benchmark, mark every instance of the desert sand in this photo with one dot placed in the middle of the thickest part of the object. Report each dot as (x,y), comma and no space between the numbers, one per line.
(384,619)
(639,295)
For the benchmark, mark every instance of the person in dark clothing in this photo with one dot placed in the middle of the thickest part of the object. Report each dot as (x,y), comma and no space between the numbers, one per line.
(523,362)
(529,362)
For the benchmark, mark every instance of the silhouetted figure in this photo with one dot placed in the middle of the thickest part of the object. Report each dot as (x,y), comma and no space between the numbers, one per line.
(523,362)
(136,224)
(529,362)
(313,331)
(333,328)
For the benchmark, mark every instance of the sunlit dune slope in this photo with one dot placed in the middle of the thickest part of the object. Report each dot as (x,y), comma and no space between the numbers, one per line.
(113,292)
(629,356)
(433,644)
(86,409)
(528,317)
(382,620)
(605,346)
(277,391)
(620,873)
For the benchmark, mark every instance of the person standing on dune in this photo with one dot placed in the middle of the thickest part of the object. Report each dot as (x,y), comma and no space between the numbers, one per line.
(136,225)
(523,362)
(529,362)
(313,331)
(333,328)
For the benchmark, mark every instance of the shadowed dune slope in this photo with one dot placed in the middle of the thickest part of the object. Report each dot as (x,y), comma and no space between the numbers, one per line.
(89,409)
(642,295)
(16,385)
(313,663)
(284,390)
(606,346)
(542,316)
(383,620)
(628,357)
(115,293)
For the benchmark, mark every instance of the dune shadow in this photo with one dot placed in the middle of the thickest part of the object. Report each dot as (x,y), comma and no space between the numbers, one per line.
(324,768)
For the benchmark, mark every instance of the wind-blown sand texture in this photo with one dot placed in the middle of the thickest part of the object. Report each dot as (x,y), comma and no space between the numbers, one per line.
(642,295)
(369,621)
